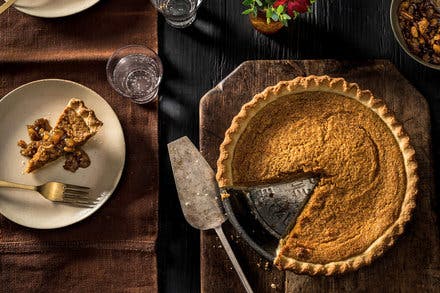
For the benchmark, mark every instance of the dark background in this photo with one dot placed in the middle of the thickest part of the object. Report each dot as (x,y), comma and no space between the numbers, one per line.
(197,58)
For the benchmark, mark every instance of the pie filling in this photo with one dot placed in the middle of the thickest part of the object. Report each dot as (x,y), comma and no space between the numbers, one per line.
(362,173)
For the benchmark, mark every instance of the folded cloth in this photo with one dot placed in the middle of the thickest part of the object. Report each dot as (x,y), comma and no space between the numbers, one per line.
(114,249)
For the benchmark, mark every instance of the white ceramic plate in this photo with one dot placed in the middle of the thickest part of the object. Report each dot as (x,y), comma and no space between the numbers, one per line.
(47,98)
(53,8)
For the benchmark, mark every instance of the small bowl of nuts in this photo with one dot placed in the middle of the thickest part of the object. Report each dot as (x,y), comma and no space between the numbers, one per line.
(416,26)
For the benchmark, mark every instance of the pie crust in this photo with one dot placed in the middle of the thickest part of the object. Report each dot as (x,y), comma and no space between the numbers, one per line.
(334,86)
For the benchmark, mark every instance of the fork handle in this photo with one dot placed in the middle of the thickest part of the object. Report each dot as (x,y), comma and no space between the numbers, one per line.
(16,185)
(6,5)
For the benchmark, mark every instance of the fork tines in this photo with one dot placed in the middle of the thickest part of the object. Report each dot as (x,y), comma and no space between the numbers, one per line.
(79,196)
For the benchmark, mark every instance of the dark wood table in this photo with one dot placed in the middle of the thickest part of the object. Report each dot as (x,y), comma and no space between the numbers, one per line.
(197,58)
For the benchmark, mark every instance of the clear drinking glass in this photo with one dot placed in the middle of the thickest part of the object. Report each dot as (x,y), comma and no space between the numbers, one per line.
(135,72)
(178,13)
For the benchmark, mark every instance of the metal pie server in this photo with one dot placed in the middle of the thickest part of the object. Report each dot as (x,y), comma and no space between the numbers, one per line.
(198,194)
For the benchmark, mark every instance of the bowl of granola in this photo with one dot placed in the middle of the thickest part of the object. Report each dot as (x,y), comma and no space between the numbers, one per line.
(416,26)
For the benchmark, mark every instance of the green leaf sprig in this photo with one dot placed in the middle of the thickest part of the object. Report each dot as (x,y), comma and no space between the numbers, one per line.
(277,14)
(254,6)
(272,14)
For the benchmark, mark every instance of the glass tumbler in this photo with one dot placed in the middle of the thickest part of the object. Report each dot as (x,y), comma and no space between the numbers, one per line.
(178,13)
(135,72)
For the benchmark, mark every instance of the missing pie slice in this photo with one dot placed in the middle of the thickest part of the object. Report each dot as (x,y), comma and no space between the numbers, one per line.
(368,178)
(74,127)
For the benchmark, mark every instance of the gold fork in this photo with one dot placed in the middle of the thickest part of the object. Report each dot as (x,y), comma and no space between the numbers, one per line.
(6,5)
(60,192)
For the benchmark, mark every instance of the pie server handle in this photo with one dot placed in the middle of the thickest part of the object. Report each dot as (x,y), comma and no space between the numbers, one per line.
(233,259)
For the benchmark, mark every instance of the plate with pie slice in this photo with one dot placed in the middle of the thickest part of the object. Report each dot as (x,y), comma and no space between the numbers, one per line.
(53,8)
(57,130)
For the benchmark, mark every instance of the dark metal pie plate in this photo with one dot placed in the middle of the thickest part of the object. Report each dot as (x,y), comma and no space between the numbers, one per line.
(264,214)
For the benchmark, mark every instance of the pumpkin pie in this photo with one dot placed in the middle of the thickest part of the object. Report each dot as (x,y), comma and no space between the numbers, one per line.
(74,127)
(351,142)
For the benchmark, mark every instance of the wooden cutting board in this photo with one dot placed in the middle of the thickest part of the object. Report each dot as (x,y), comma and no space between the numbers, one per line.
(411,265)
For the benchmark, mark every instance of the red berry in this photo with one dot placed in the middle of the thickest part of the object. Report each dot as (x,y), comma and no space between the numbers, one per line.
(300,6)
(279,3)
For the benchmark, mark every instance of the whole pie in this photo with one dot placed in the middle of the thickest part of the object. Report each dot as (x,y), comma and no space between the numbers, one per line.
(346,138)
(74,127)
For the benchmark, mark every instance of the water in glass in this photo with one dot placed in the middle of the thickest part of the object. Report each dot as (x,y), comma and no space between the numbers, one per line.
(137,76)
(178,13)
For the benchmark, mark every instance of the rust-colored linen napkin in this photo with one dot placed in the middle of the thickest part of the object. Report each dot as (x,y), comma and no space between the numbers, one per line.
(114,249)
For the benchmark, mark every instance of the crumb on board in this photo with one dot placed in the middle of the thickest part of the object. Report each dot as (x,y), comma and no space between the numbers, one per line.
(265,265)
(273,286)
(225,195)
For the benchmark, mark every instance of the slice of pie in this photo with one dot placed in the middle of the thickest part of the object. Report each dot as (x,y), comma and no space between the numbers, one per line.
(74,127)
(352,143)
